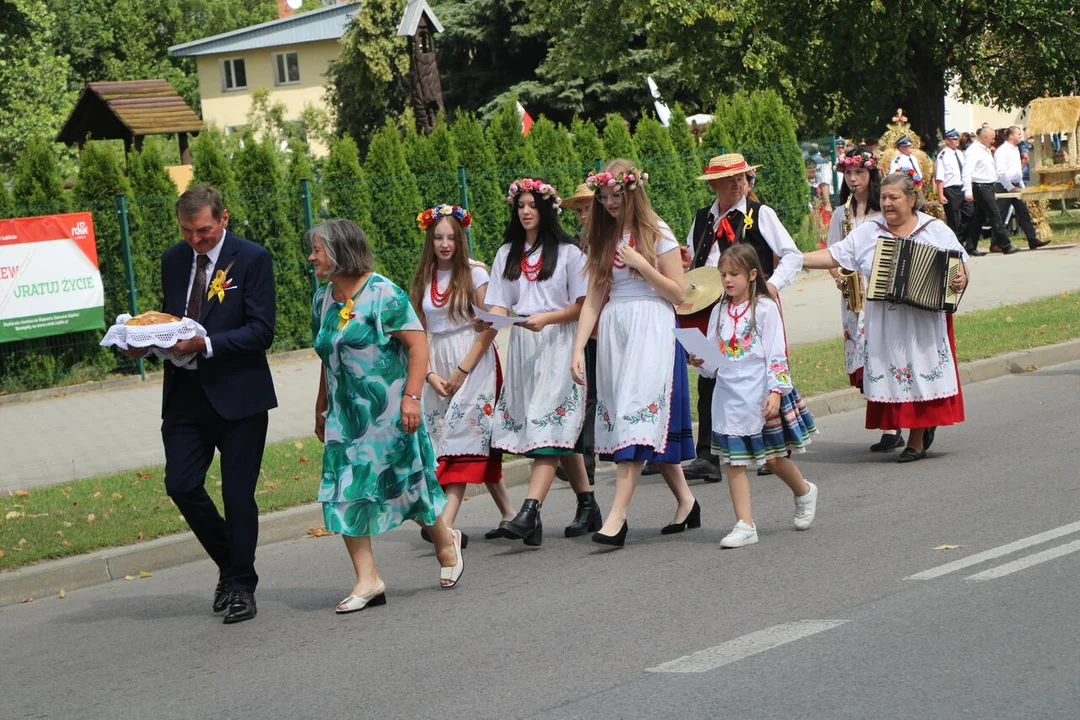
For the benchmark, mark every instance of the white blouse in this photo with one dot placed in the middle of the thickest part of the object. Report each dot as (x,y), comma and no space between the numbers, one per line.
(566,286)
(753,364)
(625,283)
(438,319)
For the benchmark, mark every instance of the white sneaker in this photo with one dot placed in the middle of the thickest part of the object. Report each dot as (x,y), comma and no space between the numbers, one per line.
(805,508)
(742,534)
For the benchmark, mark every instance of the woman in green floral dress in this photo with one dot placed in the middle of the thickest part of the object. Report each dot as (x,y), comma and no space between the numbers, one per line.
(378,463)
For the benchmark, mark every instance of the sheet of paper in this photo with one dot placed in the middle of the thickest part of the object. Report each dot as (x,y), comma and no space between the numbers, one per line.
(497,321)
(698,345)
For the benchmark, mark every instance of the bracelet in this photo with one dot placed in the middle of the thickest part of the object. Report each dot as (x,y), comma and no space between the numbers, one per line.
(429,374)
(462,370)
(413,397)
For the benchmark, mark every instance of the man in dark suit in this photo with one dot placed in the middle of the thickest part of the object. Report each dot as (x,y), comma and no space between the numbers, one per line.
(227,284)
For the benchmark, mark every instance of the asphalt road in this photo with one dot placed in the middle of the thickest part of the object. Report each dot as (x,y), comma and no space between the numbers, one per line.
(828,623)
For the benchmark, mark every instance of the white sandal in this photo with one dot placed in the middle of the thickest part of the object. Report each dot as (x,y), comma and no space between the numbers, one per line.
(356,603)
(453,573)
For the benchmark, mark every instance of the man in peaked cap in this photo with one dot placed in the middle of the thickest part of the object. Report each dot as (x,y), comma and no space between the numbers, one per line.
(949,186)
(904,160)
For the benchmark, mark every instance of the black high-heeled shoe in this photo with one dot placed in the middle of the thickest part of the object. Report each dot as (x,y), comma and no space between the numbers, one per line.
(526,524)
(615,540)
(692,521)
(588,518)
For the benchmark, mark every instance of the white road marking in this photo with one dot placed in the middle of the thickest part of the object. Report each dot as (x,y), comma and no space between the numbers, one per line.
(743,647)
(1026,562)
(996,552)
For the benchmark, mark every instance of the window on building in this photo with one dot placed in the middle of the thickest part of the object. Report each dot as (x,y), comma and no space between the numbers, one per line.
(286,68)
(233,74)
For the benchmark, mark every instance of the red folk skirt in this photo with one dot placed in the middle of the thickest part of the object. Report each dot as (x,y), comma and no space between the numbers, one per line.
(923,413)
(473,469)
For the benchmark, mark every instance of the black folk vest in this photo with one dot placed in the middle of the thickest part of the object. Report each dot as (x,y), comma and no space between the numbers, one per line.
(703,237)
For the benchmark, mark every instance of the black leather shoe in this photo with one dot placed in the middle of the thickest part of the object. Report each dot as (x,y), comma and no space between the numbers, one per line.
(241,607)
(588,518)
(221,596)
(1036,244)
(526,524)
(426,537)
(928,437)
(1009,250)
(910,455)
(494,533)
(650,468)
(888,441)
(692,521)
(614,540)
(976,252)
(765,471)
(701,469)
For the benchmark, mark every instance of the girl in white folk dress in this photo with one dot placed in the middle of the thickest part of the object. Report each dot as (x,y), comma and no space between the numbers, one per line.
(754,418)
(860,203)
(642,405)
(463,372)
(910,376)
(538,275)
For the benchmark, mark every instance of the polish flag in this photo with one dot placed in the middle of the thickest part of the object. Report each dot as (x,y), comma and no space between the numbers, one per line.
(526,119)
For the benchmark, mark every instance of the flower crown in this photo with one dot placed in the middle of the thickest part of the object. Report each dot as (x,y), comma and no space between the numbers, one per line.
(537,187)
(432,215)
(628,180)
(916,181)
(867,160)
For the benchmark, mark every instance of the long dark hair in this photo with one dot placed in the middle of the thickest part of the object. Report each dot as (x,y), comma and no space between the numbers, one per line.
(873,197)
(549,237)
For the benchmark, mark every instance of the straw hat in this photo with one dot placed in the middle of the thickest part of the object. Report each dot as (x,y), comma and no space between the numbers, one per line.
(582,196)
(723,166)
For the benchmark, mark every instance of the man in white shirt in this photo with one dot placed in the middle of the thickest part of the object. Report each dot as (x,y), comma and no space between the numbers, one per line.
(904,161)
(1010,170)
(949,185)
(980,178)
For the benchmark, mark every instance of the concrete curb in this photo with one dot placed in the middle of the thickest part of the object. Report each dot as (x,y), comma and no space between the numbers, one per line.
(102,566)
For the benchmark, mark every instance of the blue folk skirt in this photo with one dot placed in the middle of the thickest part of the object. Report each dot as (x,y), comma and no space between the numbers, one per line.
(782,435)
(680,439)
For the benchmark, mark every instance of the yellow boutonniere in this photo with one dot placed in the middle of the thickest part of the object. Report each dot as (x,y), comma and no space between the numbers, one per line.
(748,220)
(220,284)
(346,314)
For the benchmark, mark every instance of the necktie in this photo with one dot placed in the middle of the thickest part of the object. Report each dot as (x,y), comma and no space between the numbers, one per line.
(198,288)
(959,161)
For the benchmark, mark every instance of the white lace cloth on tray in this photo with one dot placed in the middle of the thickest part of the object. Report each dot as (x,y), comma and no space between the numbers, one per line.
(157,338)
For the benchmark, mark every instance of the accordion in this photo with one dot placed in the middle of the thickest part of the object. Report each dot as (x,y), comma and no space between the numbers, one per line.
(908,272)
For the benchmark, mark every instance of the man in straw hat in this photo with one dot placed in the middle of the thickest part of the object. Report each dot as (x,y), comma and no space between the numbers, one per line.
(580,203)
(735,218)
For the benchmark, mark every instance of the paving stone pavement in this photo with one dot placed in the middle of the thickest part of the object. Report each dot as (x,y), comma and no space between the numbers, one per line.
(90,430)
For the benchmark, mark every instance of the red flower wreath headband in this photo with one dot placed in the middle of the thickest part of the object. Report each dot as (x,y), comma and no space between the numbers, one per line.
(432,215)
(536,187)
(917,182)
(859,160)
(628,180)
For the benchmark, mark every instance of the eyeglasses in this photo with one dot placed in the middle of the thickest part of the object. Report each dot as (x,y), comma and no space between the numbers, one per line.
(605,199)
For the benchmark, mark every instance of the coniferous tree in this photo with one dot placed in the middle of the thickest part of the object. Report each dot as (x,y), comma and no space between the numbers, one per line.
(666,186)
(617,140)
(434,161)
(258,173)
(555,155)
(99,182)
(7,205)
(210,165)
(153,221)
(394,237)
(698,193)
(514,157)
(343,184)
(299,169)
(487,193)
(36,185)
(587,144)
